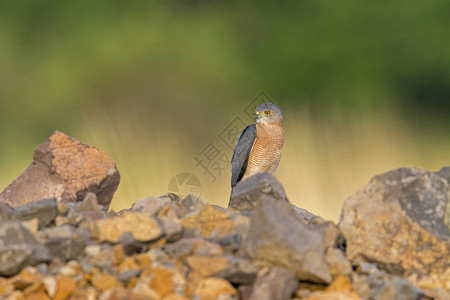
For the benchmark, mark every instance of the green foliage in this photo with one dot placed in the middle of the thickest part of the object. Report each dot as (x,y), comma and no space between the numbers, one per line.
(357,53)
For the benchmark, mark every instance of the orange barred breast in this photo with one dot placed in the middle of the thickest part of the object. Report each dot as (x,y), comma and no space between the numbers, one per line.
(267,148)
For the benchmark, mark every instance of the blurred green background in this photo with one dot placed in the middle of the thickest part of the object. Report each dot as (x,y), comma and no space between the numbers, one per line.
(364,87)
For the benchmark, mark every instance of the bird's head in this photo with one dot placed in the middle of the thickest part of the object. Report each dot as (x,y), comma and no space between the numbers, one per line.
(269,113)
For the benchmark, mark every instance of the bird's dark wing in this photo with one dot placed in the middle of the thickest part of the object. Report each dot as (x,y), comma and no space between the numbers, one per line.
(242,149)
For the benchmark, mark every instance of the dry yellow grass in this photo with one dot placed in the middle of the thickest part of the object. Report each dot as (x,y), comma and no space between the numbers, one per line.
(324,161)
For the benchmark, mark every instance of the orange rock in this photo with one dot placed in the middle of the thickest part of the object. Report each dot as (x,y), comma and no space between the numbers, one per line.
(37,296)
(212,288)
(337,262)
(340,283)
(203,247)
(5,286)
(32,225)
(27,277)
(162,281)
(119,293)
(174,297)
(211,219)
(119,254)
(65,286)
(143,260)
(72,268)
(84,293)
(132,283)
(398,221)
(206,265)
(129,263)
(432,281)
(143,290)
(144,228)
(333,295)
(66,169)
(16,295)
(35,288)
(104,281)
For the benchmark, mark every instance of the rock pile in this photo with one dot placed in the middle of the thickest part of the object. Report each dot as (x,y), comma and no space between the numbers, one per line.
(393,242)
(66,169)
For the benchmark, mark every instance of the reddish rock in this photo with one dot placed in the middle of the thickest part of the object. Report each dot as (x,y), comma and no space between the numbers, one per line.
(66,169)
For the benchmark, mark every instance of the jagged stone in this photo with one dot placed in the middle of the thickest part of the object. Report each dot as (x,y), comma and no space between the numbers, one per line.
(168,205)
(396,289)
(338,263)
(65,286)
(191,201)
(172,228)
(105,281)
(131,245)
(238,270)
(32,225)
(274,283)
(88,209)
(68,245)
(340,289)
(65,169)
(248,193)
(204,247)
(144,228)
(234,269)
(171,249)
(286,242)
(63,231)
(181,248)
(303,213)
(89,203)
(19,248)
(45,210)
(5,211)
(164,280)
(208,220)
(332,237)
(397,222)
(214,288)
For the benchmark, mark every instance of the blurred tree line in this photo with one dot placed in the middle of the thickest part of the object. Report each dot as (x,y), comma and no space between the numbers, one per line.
(59,57)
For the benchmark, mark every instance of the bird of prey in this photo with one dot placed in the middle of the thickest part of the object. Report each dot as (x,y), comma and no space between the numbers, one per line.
(258,148)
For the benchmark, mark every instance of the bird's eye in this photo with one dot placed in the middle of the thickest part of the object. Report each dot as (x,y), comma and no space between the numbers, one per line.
(267,112)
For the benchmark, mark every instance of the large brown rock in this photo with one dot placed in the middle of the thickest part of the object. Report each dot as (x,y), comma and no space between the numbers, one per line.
(398,221)
(277,237)
(66,169)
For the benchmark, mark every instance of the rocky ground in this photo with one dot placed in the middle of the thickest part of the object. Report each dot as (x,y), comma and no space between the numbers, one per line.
(59,241)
